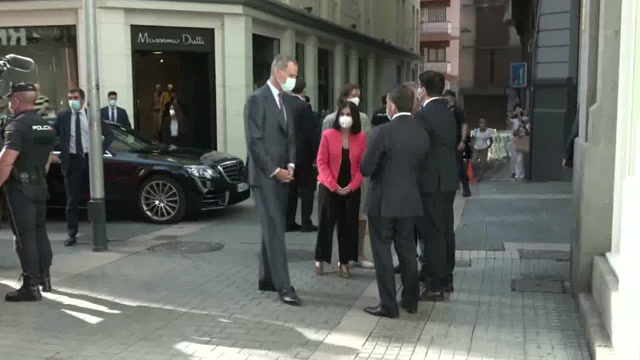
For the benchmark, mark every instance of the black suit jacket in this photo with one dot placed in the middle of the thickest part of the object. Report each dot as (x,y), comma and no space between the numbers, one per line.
(394,159)
(63,130)
(306,133)
(440,173)
(270,138)
(122,117)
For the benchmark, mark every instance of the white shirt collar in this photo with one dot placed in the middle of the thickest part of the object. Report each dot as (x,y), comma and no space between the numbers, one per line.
(400,114)
(429,100)
(275,92)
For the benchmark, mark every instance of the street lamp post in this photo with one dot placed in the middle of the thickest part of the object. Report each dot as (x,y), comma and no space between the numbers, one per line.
(96,206)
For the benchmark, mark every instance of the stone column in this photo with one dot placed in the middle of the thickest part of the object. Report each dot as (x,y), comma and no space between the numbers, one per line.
(372,91)
(288,43)
(311,69)
(338,70)
(238,80)
(353,65)
(626,322)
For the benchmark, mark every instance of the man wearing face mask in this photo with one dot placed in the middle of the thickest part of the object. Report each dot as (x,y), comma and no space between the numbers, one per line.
(114,113)
(24,161)
(72,126)
(394,158)
(439,182)
(270,134)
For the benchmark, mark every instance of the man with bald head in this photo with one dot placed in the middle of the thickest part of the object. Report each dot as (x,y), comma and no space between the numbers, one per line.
(24,162)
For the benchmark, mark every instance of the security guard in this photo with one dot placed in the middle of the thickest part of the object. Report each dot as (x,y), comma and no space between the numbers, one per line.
(24,161)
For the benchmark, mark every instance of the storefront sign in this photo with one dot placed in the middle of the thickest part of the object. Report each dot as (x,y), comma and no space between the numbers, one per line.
(13,37)
(171,39)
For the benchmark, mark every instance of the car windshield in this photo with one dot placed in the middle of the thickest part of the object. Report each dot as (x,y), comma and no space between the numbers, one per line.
(129,140)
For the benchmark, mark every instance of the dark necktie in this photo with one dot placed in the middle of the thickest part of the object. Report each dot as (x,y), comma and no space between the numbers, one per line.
(79,148)
(113,114)
(284,112)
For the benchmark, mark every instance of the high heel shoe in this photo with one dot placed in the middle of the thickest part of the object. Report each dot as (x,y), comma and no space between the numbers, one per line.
(318,268)
(345,273)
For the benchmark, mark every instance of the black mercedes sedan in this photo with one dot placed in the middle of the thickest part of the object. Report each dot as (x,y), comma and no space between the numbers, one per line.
(166,182)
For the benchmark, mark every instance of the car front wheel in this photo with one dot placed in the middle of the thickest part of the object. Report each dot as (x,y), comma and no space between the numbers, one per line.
(161,200)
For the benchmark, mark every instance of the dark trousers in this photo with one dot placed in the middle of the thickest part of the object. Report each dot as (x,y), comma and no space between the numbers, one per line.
(76,183)
(343,210)
(270,201)
(438,239)
(462,171)
(304,187)
(399,232)
(27,215)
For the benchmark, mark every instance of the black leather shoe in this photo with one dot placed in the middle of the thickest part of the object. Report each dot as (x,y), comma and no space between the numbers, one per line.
(409,309)
(432,295)
(289,297)
(29,291)
(309,228)
(71,241)
(293,227)
(380,311)
(45,281)
(266,286)
(466,192)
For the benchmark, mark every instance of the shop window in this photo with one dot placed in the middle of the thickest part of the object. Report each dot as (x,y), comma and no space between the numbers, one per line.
(53,49)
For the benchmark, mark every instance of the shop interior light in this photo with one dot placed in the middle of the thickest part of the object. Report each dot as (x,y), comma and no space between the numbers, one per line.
(158,52)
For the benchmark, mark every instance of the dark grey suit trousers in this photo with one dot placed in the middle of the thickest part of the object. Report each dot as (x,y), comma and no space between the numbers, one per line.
(271,201)
(437,239)
(399,232)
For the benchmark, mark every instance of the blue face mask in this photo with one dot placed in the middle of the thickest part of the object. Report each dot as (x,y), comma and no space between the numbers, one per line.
(74,105)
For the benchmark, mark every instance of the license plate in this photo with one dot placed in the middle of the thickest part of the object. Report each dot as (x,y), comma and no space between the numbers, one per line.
(243,187)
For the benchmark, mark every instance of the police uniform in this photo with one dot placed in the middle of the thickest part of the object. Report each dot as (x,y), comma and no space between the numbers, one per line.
(26,195)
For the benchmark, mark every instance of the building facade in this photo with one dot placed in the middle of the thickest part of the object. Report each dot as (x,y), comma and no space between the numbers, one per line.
(214,53)
(488,47)
(440,38)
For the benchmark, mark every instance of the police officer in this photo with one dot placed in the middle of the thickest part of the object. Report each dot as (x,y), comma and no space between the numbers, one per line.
(24,161)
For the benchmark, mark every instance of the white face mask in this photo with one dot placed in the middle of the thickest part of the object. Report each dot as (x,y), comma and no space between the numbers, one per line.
(355,100)
(172,112)
(288,85)
(420,94)
(345,122)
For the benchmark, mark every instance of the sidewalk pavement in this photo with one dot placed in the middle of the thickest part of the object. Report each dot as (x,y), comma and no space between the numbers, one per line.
(181,303)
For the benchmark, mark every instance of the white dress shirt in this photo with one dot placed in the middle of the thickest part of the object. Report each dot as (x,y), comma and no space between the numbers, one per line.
(429,100)
(276,96)
(113,112)
(84,129)
(400,114)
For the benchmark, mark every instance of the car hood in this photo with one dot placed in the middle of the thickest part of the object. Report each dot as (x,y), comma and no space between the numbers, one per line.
(190,156)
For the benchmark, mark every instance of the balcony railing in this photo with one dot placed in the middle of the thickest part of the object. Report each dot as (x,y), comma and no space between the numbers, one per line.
(436,28)
(441,67)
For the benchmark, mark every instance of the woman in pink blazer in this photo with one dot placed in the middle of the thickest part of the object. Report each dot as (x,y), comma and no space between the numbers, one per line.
(341,150)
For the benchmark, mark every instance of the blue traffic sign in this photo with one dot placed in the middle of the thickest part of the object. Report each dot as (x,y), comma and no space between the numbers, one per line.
(518,75)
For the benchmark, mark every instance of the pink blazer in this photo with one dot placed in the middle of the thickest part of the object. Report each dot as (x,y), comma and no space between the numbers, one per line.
(330,158)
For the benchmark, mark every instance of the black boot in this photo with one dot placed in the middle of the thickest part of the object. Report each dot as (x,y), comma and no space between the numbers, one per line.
(28,292)
(466,192)
(45,281)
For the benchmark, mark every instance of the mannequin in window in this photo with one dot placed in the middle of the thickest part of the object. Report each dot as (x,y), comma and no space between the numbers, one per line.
(156,112)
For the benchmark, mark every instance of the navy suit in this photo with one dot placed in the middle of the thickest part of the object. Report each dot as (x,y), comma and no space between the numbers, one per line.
(122,117)
(75,168)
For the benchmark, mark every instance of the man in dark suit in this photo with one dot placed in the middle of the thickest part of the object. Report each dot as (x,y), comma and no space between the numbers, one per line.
(270,135)
(394,158)
(114,113)
(439,182)
(304,181)
(462,129)
(72,126)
